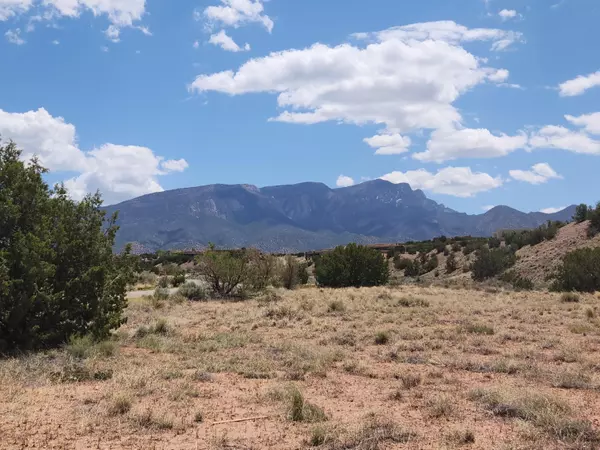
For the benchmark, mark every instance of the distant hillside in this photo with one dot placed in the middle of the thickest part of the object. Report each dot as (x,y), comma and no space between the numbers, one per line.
(306,216)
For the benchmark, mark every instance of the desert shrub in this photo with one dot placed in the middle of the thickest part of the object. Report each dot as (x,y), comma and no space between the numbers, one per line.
(401,263)
(192,291)
(494,242)
(303,275)
(412,269)
(451,263)
(382,338)
(290,273)
(352,265)
(594,226)
(58,274)
(178,279)
(163,282)
(517,281)
(579,271)
(431,264)
(263,270)
(456,247)
(231,273)
(490,263)
(146,278)
(301,410)
(161,294)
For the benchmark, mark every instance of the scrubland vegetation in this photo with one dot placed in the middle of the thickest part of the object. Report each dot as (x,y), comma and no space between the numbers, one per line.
(436,344)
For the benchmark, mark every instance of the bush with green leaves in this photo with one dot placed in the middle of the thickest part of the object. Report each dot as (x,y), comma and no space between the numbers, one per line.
(303,275)
(490,263)
(290,273)
(178,278)
(581,213)
(412,269)
(192,291)
(352,265)
(451,263)
(59,277)
(579,271)
(401,263)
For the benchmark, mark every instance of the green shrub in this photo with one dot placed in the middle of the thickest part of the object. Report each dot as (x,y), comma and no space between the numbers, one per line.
(412,269)
(290,273)
(163,282)
(303,273)
(58,274)
(579,271)
(352,265)
(581,213)
(451,263)
(401,263)
(490,263)
(382,338)
(192,291)
(178,279)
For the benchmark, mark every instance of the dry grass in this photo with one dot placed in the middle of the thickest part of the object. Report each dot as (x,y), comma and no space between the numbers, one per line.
(439,368)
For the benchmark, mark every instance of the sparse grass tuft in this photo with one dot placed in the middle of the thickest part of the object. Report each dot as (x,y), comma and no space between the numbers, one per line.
(376,434)
(440,406)
(382,338)
(303,411)
(413,302)
(572,380)
(475,328)
(461,437)
(410,381)
(318,436)
(120,404)
(336,306)
(198,417)
(570,297)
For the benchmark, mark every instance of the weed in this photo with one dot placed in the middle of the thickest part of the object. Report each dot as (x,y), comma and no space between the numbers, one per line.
(198,417)
(382,338)
(120,405)
(410,381)
(318,436)
(336,306)
(478,329)
(302,411)
(461,437)
(412,302)
(441,406)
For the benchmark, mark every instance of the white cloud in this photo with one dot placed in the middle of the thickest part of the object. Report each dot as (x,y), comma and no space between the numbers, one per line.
(446,145)
(174,165)
(558,137)
(120,13)
(10,8)
(447,31)
(120,172)
(539,173)
(590,122)
(224,41)
(196,45)
(14,36)
(499,76)
(579,85)
(388,144)
(552,210)
(455,181)
(488,207)
(235,13)
(56,42)
(405,79)
(507,14)
(344,181)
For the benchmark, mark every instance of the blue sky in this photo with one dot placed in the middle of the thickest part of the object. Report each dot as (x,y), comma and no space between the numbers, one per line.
(478,103)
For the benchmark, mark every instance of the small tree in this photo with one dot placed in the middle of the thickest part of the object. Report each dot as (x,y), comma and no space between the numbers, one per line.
(579,271)
(412,269)
(352,265)
(490,263)
(225,271)
(59,277)
(401,263)
(581,213)
(451,263)
(594,217)
(303,275)
(290,273)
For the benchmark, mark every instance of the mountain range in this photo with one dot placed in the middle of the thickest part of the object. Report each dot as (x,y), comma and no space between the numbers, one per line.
(302,217)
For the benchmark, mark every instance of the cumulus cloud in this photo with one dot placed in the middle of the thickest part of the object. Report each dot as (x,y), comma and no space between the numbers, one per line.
(235,13)
(405,79)
(579,85)
(120,13)
(344,181)
(388,144)
(455,181)
(120,172)
(507,14)
(590,122)
(539,173)
(446,145)
(559,137)
(224,41)
(552,210)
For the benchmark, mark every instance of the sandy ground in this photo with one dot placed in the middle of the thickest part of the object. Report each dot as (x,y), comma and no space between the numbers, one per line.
(402,368)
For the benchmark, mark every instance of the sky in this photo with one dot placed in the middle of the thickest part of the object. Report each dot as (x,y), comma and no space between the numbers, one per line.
(476,102)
